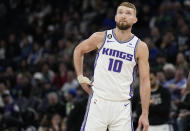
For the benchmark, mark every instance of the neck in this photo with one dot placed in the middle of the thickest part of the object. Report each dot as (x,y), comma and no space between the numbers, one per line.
(123,35)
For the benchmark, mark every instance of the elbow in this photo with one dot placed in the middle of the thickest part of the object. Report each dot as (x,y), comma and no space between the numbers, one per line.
(77,51)
(145,82)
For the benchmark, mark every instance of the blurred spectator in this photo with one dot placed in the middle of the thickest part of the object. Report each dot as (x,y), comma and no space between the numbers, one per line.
(2,90)
(75,110)
(10,77)
(169,71)
(153,51)
(26,48)
(37,82)
(160,104)
(175,85)
(13,49)
(160,61)
(12,114)
(2,51)
(63,125)
(109,21)
(184,108)
(36,54)
(52,105)
(156,38)
(55,124)
(184,111)
(161,78)
(71,82)
(22,87)
(182,63)
(61,77)
(169,46)
(47,73)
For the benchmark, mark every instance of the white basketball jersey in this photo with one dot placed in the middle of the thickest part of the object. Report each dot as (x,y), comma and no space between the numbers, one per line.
(114,68)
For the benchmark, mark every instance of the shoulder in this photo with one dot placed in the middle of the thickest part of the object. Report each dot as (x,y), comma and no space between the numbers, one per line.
(142,45)
(142,49)
(98,37)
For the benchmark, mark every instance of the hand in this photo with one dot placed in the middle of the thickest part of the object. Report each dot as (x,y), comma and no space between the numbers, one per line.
(143,121)
(85,83)
(87,88)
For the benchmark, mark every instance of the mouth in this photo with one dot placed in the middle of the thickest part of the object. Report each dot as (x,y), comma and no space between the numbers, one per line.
(123,21)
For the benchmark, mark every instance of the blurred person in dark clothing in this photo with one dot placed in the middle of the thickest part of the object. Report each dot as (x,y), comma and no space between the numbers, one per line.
(182,63)
(60,77)
(175,85)
(160,61)
(169,46)
(71,82)
(2,90)
(47,73)
(26,48)
(52,105)
(160,105)
(64,125)
(37,85)
(169,71)
(2,52)
(76,112)
(12,114)
(70,98)
(183,120)
(153,51)
(10,77)
(22,87)
(35,56)
(161,78)
(156,38)
(12,48)
(55,122)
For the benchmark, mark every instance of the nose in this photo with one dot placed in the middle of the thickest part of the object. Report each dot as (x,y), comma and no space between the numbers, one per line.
(123,16)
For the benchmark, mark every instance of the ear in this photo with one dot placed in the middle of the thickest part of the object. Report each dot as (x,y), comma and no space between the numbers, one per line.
(135,20)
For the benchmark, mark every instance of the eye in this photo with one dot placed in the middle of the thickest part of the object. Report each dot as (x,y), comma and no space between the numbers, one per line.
(128,13)
(120,12)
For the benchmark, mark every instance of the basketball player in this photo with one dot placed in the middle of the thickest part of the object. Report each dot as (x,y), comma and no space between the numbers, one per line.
(120,51)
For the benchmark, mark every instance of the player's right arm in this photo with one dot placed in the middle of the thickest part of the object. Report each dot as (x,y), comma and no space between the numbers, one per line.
(93,42)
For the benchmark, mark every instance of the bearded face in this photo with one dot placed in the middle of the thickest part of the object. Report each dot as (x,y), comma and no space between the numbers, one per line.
(123,25)
(125,18)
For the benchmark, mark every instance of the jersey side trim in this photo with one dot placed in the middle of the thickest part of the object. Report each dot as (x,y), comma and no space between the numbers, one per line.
(135,50)
(97,55)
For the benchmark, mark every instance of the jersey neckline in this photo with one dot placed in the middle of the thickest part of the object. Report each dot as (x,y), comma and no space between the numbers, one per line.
(119,40)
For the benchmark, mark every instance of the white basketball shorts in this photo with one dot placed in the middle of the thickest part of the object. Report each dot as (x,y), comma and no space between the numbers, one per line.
(103,114)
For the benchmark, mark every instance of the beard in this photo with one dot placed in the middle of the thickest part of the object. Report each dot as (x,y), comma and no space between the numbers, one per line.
(122,26)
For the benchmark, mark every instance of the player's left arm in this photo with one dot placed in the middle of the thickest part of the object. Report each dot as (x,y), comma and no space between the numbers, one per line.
(143,65)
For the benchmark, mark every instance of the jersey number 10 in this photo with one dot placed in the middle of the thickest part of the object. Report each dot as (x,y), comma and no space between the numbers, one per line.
(115,65)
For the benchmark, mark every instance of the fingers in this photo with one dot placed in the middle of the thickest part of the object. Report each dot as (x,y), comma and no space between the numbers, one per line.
(139,126)
(143,123)
(86,88)
(145,127)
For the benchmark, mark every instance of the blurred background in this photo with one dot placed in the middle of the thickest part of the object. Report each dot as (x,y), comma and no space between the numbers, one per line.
(38,86)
